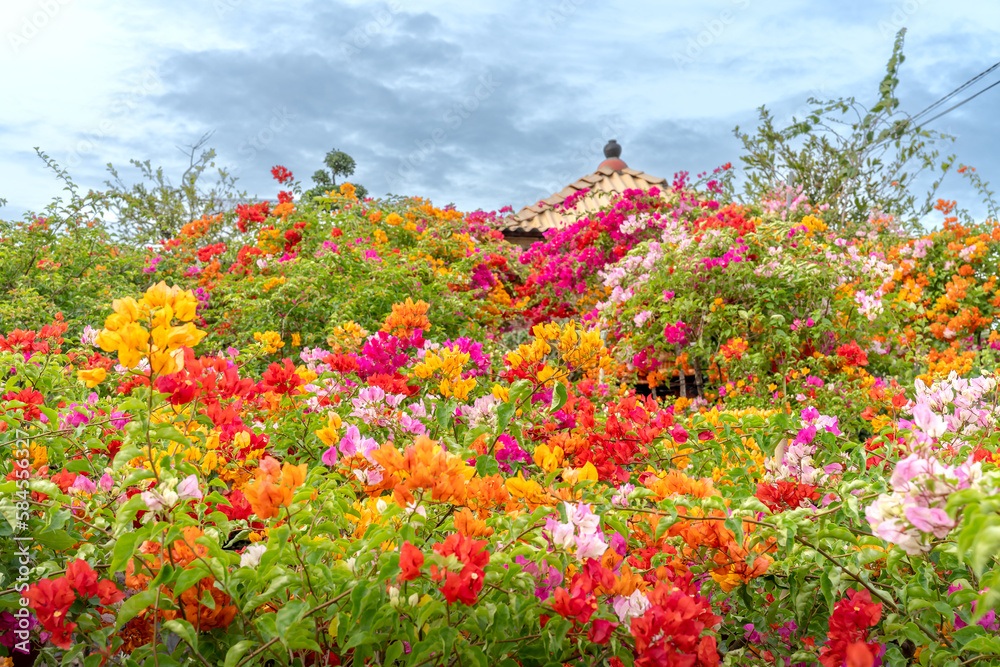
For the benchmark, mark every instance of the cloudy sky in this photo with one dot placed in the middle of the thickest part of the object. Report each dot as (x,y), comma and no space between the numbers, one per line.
(480,103)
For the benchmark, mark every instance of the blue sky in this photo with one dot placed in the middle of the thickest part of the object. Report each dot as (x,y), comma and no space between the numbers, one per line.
(482,104)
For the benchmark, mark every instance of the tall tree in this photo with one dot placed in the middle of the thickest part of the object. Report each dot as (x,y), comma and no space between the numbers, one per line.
(339,164)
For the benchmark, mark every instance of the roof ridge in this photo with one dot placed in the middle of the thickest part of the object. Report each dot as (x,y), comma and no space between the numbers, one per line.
(545,214)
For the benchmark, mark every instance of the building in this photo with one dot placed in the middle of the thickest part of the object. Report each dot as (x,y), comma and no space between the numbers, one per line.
(612,178)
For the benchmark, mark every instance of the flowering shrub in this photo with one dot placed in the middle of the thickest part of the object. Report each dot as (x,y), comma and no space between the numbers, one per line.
(288,449)
(301,270)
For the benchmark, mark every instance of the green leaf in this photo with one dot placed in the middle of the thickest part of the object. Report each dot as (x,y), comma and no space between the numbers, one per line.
(443,414)
(519,391)
(838,533)
(59,540)
(95,660)
(272,588)
(735,524)
(359,639)
(984,645)
(289,614)
(556,635)
(504,414)
(70,656)
(237,651)
(666,521)
(357,598)
(487,465)
(132,606)
(394,650)
(124,455)
(127,513)
(559,396)
(190,576)
(429,609)
(124,549)
(985,547)
(476,653)
(184,630)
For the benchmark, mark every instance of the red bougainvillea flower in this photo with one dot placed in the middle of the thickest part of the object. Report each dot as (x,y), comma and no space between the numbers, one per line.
(859,655)
(281,174)
(847,641)
(82,578)
(785,494)
(33,400)
(463,586)
(411,559)
(342,363)
(852,354)
(281,378)
(579,605)
(64,480)
(669,632)
(248,213)
(238,508)
(600,631)
(51,600)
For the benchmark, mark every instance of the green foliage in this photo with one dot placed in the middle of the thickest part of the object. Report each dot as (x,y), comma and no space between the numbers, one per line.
(63,260)
(155,209)
(860,160)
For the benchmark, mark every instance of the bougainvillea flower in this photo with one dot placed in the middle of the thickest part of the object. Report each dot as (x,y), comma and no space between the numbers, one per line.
(411,559)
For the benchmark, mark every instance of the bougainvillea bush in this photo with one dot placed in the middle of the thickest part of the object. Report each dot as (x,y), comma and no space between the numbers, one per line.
(287,443)
(302,269)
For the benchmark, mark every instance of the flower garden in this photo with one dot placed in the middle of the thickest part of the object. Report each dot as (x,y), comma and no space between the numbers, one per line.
(682,431)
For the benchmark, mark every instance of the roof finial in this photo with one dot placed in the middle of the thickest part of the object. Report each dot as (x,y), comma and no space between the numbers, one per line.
(611,159)
(613,149)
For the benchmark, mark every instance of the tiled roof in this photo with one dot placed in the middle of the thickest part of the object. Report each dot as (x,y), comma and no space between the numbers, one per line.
(603,184)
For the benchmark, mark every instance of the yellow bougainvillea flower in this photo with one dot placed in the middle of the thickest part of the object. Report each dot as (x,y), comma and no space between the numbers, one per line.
(587,472)
(528,489)
(270,340)
(125,334)
(549,459)
(92,377)
(329,435)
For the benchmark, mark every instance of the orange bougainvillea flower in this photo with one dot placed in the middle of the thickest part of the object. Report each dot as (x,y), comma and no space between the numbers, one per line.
(467,524)
(733,569)
(423,465)
(485,493)
(675,482)
(274,486)
(406,318)
(528,490)
(180,554)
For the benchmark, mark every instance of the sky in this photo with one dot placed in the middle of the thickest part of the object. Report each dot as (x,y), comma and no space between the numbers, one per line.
(482,104)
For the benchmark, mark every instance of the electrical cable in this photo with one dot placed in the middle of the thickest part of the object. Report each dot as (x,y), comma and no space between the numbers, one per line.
(955,92)
(968,99)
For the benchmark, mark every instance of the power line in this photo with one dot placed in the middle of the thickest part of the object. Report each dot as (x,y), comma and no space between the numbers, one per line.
(968,99)
(955,92)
